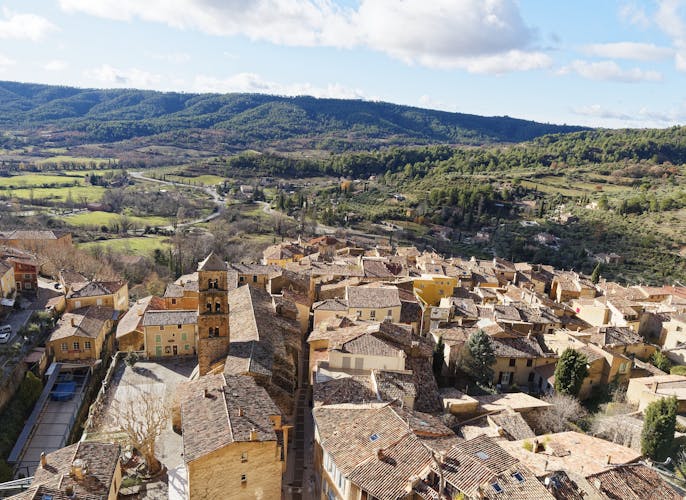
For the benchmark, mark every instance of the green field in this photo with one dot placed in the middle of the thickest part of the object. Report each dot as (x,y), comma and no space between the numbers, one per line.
(143,245)
(105,218)
(28,180)
(89,193)
(73,159)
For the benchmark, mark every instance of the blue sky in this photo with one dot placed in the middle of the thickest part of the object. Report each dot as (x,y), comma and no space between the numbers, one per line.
(611,63)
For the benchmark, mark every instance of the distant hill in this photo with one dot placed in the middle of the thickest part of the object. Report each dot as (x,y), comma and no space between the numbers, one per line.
(336,124)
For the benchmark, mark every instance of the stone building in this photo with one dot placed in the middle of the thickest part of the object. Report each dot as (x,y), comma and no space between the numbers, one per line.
(213,312)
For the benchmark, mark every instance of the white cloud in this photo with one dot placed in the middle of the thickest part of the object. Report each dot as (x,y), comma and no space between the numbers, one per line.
(629,50)
(56,65)
(171,57)
(484,36)
(610,71)
(109,76)
(5,61)
(254,83)
(24,26)
(643,117)
(634,14)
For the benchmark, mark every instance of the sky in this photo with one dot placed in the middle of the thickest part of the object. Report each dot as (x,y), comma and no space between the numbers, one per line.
(605,63)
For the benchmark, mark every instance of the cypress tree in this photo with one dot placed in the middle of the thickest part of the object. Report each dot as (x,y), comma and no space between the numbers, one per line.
(570,372)
(659,421)
(480,357)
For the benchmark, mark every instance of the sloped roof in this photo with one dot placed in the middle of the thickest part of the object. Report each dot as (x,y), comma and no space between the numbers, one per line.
(360,297)
(85,322)
(634,481)
(517,348)
(394,385)
(369,345)
(94,289)
(218,410)
(212,263)
(170,317)
(133,318)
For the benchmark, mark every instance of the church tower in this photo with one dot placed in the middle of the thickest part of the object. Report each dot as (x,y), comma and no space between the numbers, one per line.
(213,312)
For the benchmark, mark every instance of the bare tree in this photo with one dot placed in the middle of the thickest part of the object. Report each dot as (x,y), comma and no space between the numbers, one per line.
(556,418)
(142,416)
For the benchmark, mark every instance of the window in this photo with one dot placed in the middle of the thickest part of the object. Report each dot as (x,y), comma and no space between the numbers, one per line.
(678,328)
(187,347)
(161,327)
(372,314)
(210,284)
(184,336)
(518,476)
(374,437)
(178,326)
(217,307)
(209,307)
(244,479)
(98,302)
(623,367)
(173,301)
(359,314)
(158,351)
(497,488)
(76,346)
(214,332)
(64,346)
(158,339)
(242,278)
(86,345)
(27,276)
(244,457)
(513,361)
(482,455)
(529,362)
(254,279)
(390,313)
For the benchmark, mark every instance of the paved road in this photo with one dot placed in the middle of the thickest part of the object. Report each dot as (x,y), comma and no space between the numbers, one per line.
(218,200)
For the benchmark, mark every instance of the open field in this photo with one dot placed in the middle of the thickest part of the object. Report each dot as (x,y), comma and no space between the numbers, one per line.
(28,180)
(89,193)
(73,159)
(98,218)
(142,245)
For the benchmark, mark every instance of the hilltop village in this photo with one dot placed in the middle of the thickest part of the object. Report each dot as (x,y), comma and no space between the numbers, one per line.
(338,371)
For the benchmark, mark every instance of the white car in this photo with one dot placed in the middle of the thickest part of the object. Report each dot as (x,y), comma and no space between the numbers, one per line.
(5,336)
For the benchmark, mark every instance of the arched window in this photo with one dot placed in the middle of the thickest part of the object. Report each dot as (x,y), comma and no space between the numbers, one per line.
(217,307)
(209,307)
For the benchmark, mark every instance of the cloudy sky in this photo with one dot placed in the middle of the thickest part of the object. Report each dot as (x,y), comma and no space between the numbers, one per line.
(613,63)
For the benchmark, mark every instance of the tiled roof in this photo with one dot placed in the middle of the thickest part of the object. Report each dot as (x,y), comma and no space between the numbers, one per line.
(85,322)
(255,269)
(615,335)
(173,291)
(514,400)
(502,312)
(218,410)
(513,424)
(629,482)
(370,345)
(517,348)
(95,289)
(32,234)
(133,318)
(70,277)
(378,269)
(100,459)
(343,390)
(170,317)
(212,263)
(478,464)
(394,385)
(360,297)
(331,305)
(428,398)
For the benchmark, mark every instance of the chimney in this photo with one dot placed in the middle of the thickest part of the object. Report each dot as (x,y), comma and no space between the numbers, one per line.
(609,459)
(206,392)
(73,322)
(79,469)
(380,454)
(240,411)
(253,434)
(43,460)
(655,387)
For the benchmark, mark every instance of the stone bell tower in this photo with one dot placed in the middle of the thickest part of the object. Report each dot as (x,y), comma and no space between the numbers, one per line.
(213,312)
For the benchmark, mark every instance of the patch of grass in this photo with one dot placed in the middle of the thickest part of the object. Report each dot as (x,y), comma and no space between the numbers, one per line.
(28,180)
(98,218)
(72,159)
(90,193)
(143,245)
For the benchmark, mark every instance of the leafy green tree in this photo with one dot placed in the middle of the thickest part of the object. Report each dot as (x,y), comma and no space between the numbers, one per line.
(659,421)
(438,356)
(480,357)
(661,361)
(570,372)
(595,275)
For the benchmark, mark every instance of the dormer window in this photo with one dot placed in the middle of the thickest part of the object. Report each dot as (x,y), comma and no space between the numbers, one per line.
(374,437)
(518,476)
(497,488)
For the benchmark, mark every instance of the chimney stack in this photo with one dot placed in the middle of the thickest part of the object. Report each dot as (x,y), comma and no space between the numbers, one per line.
(240,411)
(253,434)
(206,392)
(73,322)
(79,469)
(43,459)
(609,459)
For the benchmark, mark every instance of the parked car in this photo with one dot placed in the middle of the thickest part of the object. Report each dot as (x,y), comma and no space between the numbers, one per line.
(5,333)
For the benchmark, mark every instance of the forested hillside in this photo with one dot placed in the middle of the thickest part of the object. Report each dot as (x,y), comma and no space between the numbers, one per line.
(114,115)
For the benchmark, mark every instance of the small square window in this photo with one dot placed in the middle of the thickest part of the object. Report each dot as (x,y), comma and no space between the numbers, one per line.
(254,279)
(244,479)
(513,361)
(76,346)
(518,476)
(86,345)
(374,437)
(372,314)
(173,301)
(244,457)
(161,327)
(64,346)
(178,326)
(497,488)
(158,339)
(529,362)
